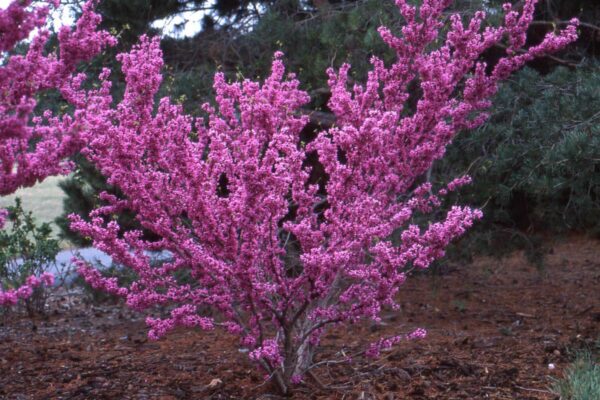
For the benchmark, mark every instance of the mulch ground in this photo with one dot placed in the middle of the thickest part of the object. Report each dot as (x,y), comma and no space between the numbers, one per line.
(494,327)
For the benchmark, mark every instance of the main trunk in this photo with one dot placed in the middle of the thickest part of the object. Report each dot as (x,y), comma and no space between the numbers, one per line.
(298,358)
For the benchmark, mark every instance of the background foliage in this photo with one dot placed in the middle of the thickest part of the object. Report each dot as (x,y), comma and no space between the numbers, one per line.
(535,163)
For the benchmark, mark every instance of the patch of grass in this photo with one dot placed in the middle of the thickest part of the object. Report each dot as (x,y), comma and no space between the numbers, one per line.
(44,200)
(506,331)
(459,305)
(581,380)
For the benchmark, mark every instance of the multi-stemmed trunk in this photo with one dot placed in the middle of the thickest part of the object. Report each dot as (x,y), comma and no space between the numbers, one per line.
(297,357)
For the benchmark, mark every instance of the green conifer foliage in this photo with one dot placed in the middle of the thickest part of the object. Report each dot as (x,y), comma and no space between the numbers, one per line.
(536,163)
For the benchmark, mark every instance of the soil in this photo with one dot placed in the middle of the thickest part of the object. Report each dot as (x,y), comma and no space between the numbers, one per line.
(496,330)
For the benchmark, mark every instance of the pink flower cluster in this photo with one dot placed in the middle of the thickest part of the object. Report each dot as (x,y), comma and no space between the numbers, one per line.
(12,296)
(29,152)
(3,217)
(269,351)
(276,258)
(17,22)
(33,147)
(387,343)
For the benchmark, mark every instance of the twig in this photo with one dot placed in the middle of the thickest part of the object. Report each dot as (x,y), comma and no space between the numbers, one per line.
(533,390)
(585,310)
(568,63)
(525,315)
(317,380)
(581,24)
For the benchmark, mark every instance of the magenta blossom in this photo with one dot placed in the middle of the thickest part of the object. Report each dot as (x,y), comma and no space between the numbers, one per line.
(24,77)
(33,147)
(12,296)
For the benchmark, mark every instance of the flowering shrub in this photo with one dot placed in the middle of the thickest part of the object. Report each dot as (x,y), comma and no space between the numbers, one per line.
(29,152)
(281,259)
(26,252)
(33,147)
(12,296)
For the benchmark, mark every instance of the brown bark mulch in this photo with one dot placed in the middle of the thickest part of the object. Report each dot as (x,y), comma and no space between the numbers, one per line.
(494,328)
